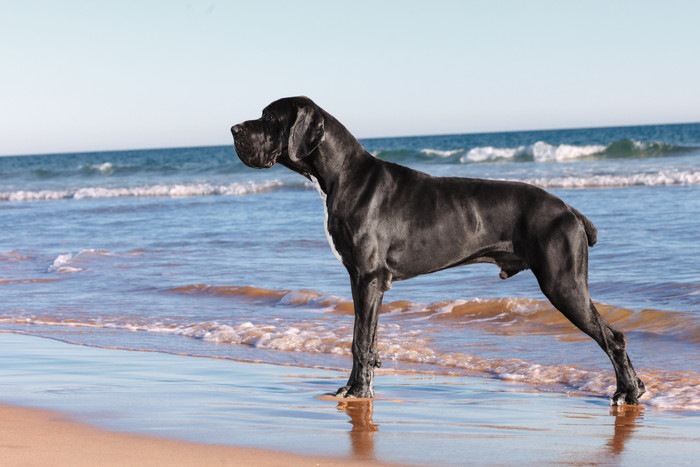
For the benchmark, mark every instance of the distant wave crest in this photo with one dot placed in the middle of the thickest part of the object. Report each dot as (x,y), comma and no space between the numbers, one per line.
(545,152)
(106,168)
(539,151)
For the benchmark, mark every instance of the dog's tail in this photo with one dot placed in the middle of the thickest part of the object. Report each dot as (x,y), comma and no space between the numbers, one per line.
(591,231)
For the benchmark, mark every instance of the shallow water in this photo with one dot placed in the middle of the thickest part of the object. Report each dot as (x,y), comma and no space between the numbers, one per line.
(417,418)
(187,251)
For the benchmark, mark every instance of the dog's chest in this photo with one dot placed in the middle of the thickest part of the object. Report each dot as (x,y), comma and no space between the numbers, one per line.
(325,218)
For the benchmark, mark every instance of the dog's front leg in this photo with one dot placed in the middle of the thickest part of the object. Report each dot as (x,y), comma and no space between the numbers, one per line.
(367,294)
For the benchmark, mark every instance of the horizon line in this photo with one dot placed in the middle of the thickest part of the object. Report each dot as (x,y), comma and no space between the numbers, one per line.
(361,138)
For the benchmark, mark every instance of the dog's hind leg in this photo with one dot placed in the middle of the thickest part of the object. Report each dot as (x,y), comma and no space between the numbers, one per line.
(562,273)
(367,295)
(587,319)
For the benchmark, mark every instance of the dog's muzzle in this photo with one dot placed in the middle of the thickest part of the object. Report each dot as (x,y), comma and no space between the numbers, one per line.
(247,152)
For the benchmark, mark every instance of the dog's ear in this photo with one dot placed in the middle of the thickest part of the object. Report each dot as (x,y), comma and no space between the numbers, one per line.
(306,133)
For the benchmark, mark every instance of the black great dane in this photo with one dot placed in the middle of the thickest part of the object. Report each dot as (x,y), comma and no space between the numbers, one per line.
(386,223)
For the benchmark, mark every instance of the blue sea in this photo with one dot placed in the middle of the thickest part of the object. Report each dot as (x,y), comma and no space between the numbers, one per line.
(187,251)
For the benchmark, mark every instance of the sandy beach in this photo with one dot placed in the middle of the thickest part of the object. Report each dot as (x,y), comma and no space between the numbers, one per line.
(113,407)
(38,437)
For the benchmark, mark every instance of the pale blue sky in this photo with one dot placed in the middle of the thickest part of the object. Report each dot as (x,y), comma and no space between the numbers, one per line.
(89,75)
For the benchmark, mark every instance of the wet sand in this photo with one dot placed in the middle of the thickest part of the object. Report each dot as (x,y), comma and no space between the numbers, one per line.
(153,408)
(37,437)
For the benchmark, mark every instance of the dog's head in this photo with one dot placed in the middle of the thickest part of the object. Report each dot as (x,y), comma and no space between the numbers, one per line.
(290,128)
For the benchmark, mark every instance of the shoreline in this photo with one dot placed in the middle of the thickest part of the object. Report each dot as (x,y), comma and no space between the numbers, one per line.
(163,404)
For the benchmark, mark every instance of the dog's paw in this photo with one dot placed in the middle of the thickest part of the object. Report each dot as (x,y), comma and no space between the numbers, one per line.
(628,397)
(619,398)
(354,392)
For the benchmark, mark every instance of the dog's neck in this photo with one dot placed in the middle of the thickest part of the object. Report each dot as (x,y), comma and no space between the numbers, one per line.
(339,156)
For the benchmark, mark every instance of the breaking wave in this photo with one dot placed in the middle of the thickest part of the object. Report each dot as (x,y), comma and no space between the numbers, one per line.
(68,263)
(106,168)
(545,152)
(665,389)
(661,178)
(408,334)
(148,191)
(496,315)
(539,151)
(666,177)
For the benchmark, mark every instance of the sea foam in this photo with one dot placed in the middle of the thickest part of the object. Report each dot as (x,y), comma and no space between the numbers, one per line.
(404,336)
(62,264)
(147,191)
(665,389)
(661,178)
(68,262)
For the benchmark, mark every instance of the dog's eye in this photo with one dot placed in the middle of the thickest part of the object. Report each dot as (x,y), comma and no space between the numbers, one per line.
(267,118)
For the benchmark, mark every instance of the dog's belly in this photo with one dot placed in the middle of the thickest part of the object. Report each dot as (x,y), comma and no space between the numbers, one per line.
(410,259)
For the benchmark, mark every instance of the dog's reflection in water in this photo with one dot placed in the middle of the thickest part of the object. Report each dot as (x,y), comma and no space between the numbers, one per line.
(627,420)
(363,428)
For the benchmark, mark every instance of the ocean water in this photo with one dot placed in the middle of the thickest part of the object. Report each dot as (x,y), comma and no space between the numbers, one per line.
(187,251)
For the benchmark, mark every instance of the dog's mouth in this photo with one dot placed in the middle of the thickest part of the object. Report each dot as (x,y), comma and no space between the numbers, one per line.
(260,162)
(271,159)
(265,165)
(254,159)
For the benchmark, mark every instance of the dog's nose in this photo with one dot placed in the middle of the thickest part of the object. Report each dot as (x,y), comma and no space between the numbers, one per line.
(235,129)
